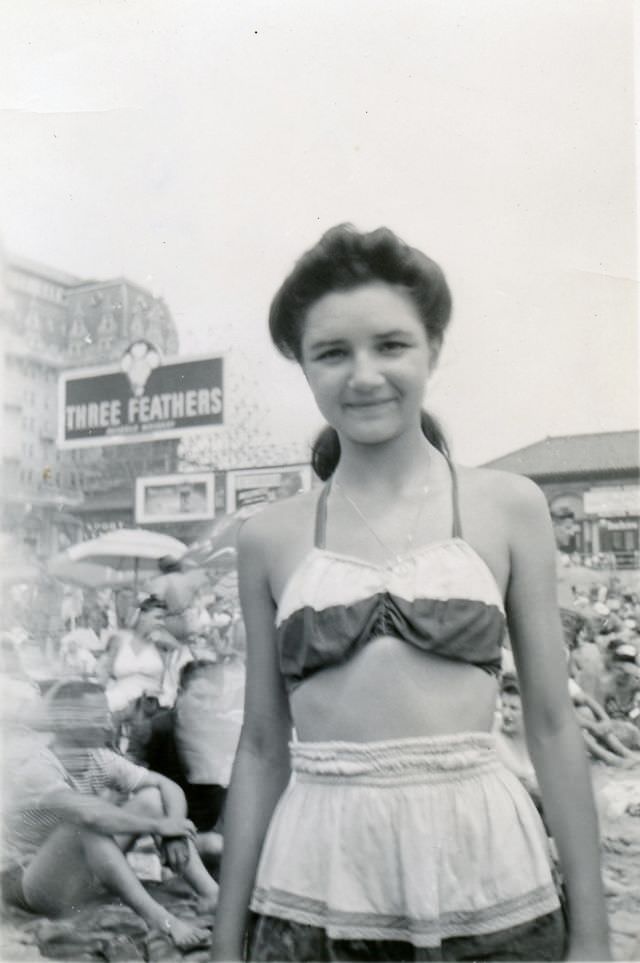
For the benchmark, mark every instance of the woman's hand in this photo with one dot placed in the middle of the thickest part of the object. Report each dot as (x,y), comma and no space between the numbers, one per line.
(178,826)
(176,853)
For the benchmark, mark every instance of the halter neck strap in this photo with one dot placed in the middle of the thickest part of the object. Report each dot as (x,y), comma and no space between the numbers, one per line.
(320,534)
(319,538)
(456,530)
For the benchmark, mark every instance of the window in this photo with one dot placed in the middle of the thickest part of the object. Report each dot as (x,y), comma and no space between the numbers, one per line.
(617,542)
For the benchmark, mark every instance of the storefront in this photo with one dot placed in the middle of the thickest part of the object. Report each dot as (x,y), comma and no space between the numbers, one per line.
(591,483)
(614,515)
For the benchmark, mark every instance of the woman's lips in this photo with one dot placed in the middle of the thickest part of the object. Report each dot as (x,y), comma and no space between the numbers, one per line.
(369,404)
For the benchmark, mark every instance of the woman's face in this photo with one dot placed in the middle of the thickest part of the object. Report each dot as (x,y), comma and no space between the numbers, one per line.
(149,620)
(511,708)
(366,357)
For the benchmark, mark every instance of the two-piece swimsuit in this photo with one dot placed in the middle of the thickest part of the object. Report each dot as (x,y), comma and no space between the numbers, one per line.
(420,839)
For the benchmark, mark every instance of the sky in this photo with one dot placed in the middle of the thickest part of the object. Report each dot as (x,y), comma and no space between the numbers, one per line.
(198,148)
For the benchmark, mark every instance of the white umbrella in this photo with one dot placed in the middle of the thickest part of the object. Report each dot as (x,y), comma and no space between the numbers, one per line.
(114,559)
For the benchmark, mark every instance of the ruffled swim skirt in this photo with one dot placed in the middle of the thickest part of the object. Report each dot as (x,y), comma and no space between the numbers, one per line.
(417,840)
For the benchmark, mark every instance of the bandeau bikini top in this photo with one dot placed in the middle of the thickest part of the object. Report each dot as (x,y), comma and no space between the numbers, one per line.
(441,597)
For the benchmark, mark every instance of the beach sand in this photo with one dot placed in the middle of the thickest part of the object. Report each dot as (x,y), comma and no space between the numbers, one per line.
(107,930)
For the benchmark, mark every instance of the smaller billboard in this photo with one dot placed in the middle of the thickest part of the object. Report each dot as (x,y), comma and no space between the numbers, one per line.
(250,486)
(175,498)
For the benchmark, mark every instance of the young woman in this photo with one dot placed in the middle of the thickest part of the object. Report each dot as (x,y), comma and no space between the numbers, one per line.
(375,612)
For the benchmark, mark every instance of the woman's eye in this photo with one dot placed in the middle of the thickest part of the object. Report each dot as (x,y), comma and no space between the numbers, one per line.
(392,347)
(331,354)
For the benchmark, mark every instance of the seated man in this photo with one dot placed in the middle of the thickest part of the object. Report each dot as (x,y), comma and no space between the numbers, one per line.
(72,810)
(194,744)
(621,692)
(598,730)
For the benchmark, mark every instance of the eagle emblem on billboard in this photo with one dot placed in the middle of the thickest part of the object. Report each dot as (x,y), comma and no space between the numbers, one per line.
(138,361)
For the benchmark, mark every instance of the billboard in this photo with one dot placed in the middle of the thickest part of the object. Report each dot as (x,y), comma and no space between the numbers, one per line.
(175,498)
(139,399)
(250,486)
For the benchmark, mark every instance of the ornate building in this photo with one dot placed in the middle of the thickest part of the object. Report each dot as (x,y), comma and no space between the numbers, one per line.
(49,321)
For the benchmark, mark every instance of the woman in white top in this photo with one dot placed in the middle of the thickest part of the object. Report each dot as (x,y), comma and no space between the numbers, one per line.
(133,664)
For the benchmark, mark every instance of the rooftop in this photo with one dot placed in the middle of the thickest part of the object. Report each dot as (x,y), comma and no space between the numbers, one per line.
(42,271)
(574,455)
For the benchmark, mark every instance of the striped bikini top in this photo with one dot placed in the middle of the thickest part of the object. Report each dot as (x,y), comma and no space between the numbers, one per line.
(441,597)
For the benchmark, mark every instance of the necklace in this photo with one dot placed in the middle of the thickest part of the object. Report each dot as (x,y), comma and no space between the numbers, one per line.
(397,560)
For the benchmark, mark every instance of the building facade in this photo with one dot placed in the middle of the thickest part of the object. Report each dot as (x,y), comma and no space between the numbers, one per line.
(592,485)
(50,321)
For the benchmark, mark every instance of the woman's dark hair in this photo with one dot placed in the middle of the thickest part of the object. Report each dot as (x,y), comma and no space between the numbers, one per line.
(168,564)
(195,668)
(325,451)
(152,602)
(344,259)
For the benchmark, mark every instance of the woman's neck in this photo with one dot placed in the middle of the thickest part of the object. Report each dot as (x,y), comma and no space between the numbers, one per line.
(396,466)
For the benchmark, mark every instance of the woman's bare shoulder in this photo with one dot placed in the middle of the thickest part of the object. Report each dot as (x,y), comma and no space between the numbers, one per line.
(502,490)
(281,521)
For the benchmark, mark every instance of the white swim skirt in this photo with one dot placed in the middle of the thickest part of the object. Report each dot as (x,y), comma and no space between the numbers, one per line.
(418,839)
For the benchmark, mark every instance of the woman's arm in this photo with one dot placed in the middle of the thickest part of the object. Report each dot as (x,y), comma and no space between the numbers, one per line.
(261,768)
(104,669)
(553,736)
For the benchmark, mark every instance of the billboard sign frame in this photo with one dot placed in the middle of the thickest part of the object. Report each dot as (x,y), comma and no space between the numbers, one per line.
(262,484)
(145,483)
(114,405)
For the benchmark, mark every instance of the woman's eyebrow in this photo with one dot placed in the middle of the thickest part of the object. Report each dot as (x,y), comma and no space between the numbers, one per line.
(326,343)
(393,333)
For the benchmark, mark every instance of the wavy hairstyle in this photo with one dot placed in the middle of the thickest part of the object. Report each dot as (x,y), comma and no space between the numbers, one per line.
(343,259)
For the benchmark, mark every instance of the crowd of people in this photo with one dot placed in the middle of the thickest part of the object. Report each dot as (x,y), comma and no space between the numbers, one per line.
(369,792)
(118,749)
(602,648)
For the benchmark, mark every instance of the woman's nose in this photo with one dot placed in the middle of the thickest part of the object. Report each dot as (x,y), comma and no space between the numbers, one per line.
(365,372)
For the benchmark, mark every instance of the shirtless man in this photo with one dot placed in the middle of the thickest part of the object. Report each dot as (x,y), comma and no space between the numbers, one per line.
(73,809)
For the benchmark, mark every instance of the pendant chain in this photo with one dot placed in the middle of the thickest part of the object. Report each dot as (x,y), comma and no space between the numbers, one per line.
(397,556)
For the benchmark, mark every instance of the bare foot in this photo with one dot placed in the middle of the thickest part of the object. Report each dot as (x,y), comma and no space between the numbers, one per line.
(185,936)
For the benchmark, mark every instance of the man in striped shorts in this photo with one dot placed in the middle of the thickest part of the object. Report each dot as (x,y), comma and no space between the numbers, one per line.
(72,810)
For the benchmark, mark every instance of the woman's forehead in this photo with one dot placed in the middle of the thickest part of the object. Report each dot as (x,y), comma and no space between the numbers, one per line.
(369,309)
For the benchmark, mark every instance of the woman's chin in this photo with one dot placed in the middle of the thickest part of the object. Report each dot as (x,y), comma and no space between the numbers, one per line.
(372,435)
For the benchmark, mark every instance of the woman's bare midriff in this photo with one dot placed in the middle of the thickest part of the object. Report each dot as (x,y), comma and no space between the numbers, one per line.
(393,690)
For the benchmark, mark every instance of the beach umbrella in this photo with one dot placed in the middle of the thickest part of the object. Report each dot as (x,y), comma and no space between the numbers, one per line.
(115,559)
